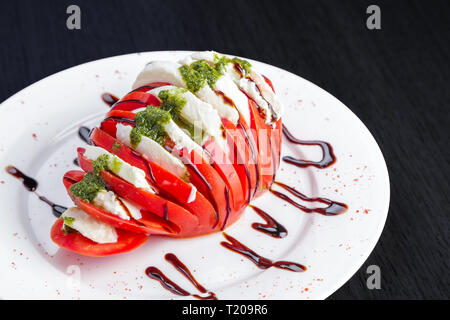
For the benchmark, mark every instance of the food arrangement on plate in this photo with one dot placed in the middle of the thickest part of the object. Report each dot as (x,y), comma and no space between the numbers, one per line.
(181,155)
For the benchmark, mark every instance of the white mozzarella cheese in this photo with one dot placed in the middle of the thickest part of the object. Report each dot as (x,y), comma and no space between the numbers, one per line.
(199,113)
(133,209)
(121,168)
(88,226)
(265,96)
(267,93)
(108,201)
(250,88)
(224,110)
(152,151)
(231,91)
(180,138)
(160,71)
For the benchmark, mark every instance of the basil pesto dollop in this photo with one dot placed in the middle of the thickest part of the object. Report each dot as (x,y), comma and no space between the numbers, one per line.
(198,73)
(92,182)
(221,62)
(150,123)
(173,101)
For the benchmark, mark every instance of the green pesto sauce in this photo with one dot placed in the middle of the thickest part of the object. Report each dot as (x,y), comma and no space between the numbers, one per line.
(198,73)
(173,102)
(92,182)
(115,165)
(221,62)
(150,123)
(209,73)
(68,220)
(193,79)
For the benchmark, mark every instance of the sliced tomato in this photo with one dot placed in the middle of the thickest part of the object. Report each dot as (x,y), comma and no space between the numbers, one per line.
(224,165)
(210,184)
(117,116)
(76,242)
(264,138)
(152,225)
(145,97)
(151,86)
(129,105)
(246,157)
(185,221)
(169,185)
(269,83)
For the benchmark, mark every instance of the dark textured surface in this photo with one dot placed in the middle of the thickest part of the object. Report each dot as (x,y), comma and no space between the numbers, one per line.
(395,79)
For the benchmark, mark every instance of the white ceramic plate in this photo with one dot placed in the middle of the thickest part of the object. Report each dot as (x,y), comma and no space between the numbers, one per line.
(39,136)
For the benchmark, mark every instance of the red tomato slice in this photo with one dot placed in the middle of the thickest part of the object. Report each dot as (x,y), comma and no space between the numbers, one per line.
(117,116)
(224,165)
(169,185)
(264,139)
(151,86)
(129,105)
(152,225)
(145,97)
(185,221)
(246,157)
(76,242)
(210,184)
(269,83)
(277,129)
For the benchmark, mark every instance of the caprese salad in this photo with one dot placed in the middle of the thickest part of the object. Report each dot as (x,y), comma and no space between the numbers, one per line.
(181,155)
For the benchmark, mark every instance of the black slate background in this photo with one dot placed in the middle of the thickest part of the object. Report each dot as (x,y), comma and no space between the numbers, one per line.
(396,80)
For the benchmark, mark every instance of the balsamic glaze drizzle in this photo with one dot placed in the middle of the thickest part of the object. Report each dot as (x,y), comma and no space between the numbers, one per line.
(333,207)
(109,99)
(272,227)
(259,261)
(174,261)
(156,274)
(57,210)
(328,156)
(227,197)
(168,284)
(84,133)
(121,119)
(31,184)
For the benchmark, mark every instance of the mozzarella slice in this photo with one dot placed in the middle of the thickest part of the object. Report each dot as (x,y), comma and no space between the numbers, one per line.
(231,91)
(267,93)
(160,71)
(223,109)
(201,114)
(166,71)
(180,138)
(152,151)
(88,226)
(134,210)
(108,201)
(249,87)
(263,94)
(133,175)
